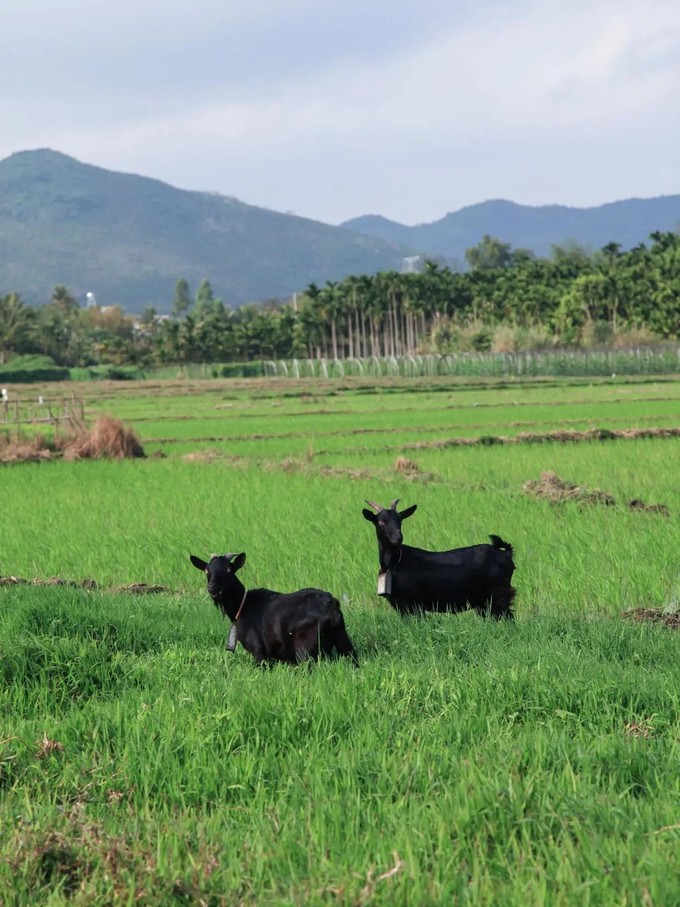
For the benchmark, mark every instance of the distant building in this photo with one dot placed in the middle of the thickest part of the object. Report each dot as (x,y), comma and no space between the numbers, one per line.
(412,264)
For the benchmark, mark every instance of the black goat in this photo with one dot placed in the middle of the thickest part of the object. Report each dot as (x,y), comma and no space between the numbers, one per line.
(415,580)
(275,626)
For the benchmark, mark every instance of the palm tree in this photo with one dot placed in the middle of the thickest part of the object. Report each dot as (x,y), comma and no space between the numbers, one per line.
(332,306)
(64,301)
(348,290)
(314,315)
(182,301)
(16,324)
(365,293)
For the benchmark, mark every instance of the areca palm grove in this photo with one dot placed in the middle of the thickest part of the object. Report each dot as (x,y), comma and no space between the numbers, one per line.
(570,298)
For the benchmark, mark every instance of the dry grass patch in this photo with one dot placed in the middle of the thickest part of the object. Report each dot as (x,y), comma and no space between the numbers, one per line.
(25,449)
(563,436)
(201,456)
(409,469)
(90,584)
(47,747)
(50,581)
(551,488)
(654,615)
(140,589)
(109,438)
(405,466)
(637,504)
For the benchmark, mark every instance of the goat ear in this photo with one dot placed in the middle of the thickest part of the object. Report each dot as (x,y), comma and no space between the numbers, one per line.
(409,510)
(197,562)
(238,561)
(369,515)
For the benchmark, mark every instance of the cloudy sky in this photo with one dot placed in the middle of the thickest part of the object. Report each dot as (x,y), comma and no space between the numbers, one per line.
(335,108)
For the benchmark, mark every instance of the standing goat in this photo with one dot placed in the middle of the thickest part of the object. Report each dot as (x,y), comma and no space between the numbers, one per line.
(416,580)
(275,626)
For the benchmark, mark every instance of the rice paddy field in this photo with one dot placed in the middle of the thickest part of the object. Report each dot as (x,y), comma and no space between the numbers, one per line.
(463,762)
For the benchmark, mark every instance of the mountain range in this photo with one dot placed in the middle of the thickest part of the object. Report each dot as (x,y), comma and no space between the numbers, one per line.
(537,228)
(128,239)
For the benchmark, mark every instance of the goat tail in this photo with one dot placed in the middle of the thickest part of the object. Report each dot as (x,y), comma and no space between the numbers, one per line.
(335,609)
(498,542)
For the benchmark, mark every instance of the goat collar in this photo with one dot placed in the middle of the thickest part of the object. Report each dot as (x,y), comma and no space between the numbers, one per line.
(392,566)
(240,607)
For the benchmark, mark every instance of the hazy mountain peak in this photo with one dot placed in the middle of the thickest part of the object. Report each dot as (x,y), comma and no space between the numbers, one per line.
(627,222)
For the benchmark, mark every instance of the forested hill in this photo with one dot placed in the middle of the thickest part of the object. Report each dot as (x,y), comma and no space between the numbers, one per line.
(129,238)
(625,222)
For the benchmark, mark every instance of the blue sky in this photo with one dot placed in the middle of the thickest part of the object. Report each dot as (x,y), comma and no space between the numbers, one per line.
(334,109)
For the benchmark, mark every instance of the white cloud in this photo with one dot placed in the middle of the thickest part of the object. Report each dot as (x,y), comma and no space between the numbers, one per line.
(535,101)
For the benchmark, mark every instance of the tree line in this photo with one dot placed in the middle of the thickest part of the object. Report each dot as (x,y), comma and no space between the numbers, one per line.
(569,298)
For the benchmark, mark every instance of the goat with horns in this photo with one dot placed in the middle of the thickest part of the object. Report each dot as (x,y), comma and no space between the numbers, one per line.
(414,579)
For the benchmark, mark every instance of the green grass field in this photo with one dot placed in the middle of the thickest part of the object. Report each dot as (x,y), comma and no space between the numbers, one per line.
(463,762)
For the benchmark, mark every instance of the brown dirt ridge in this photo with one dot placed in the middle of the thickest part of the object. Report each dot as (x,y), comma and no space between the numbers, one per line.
(562,436)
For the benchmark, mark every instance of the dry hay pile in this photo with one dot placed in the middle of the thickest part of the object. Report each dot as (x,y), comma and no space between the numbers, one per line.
(654,615)
(109,438)
(551,488)
(410,470)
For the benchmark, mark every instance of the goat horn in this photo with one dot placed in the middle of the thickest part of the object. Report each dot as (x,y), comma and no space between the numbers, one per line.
(375,506)
(393,505)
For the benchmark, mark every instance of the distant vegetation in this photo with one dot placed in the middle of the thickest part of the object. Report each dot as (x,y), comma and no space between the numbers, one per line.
(509,301)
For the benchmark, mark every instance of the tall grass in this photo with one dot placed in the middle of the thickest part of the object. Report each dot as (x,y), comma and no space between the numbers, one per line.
(476,763)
